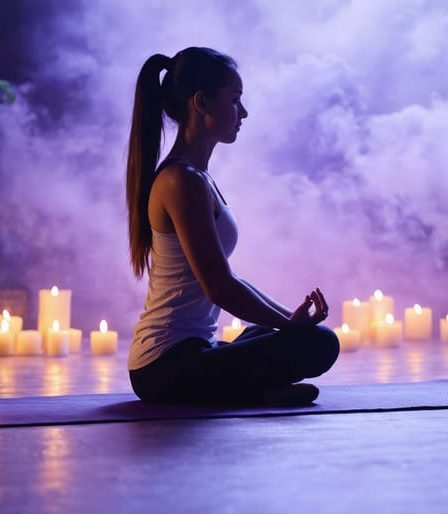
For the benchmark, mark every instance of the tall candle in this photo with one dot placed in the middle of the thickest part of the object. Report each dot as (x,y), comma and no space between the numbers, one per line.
(29,342)
(58,341)
(349,339)
(54,304)
(6,339)
(356,315)
(417,322)
(380,306)
(103,341)
(230,333)
(444,329)
(388,333)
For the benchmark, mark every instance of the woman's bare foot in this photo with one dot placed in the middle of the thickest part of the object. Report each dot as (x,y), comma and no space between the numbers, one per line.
(292,395)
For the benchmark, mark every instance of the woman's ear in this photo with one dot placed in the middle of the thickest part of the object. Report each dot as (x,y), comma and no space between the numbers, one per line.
(199,103)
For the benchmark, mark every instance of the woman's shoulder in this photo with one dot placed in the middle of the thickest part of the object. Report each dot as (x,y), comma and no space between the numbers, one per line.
(180,175)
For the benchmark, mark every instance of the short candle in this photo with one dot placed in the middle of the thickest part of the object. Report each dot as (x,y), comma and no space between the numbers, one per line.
(103,341)
(58,341)
(417,323)
(444,329)
(348,339)
(6,339)
(29,342)
(75,336)
(230,333)
(388,333)
(15,324)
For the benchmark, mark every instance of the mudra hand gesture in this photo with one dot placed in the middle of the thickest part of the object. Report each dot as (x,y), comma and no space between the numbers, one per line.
(302,314)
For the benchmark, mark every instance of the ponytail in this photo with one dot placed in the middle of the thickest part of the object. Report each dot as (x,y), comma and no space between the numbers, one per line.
(190,70)
(144,152)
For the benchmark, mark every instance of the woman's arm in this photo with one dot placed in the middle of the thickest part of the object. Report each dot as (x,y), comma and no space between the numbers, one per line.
(187,200)
(270,301)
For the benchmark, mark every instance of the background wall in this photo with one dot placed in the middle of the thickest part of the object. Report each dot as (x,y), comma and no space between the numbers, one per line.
(338,177)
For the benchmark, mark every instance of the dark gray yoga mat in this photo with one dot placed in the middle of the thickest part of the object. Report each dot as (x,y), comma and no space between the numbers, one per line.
(107,408)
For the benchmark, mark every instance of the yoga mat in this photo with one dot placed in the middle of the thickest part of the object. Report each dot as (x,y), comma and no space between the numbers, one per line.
(107,408)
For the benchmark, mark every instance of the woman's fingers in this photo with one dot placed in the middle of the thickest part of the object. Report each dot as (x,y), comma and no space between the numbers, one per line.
(322,299)
(323,303)
(317,302)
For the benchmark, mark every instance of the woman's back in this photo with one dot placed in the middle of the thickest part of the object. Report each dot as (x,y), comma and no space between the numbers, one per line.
(176,307)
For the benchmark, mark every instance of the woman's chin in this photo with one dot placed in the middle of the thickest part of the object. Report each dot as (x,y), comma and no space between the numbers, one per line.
(231,138)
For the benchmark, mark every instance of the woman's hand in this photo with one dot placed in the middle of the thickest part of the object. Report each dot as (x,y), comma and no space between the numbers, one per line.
(302,314)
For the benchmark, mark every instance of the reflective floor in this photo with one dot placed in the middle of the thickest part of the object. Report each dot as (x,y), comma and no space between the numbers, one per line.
(84,373)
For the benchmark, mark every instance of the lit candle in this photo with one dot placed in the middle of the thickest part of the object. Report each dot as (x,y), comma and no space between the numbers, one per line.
(349,339)
(58,341)
(75,337)
(356,314)
(417,322)
(103,341)
(380,306)
(444,329)
(29,342)
(54,304)
(15,322)
(6,339)
(230,333)
(388,332)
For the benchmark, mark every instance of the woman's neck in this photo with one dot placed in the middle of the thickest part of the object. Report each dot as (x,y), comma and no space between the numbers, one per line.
(192,147)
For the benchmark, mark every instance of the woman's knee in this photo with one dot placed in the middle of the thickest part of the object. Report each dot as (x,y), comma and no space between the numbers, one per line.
(331,346)
(328,344)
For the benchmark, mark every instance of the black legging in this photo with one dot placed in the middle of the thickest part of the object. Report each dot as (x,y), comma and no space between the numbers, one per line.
(239,372)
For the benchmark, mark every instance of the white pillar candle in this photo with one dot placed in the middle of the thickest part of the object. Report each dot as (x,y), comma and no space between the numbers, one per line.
(75,336)
(103,341)
(417,323)
(29,342)
(349,339)
(15,322)
(380,306)
(356,315)
(54,304)
(230,333)
(58,341)
(6,339)
(388,333)
(444,329)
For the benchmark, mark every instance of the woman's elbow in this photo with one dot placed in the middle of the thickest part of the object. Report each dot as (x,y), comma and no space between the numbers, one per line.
(217,291)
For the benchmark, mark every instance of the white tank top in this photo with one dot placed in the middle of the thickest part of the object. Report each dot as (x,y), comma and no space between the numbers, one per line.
(176,307)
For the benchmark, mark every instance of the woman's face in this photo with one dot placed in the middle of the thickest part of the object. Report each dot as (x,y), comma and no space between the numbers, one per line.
(225,111)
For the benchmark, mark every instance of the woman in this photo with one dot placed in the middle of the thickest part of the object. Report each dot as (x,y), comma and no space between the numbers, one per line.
(178,215)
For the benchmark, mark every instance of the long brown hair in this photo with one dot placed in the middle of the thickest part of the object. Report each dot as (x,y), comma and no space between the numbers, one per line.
(193,69)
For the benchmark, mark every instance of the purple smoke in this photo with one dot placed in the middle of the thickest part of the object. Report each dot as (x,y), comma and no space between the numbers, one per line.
(338,178)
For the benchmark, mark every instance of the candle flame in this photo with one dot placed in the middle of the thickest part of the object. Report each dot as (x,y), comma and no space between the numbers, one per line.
(56,325)
(345,328)
(54,291)
(418,309)
(236,323)
(356,302)
(103,326)
(378,294)
(5,325)
(6,315)
(390,319)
